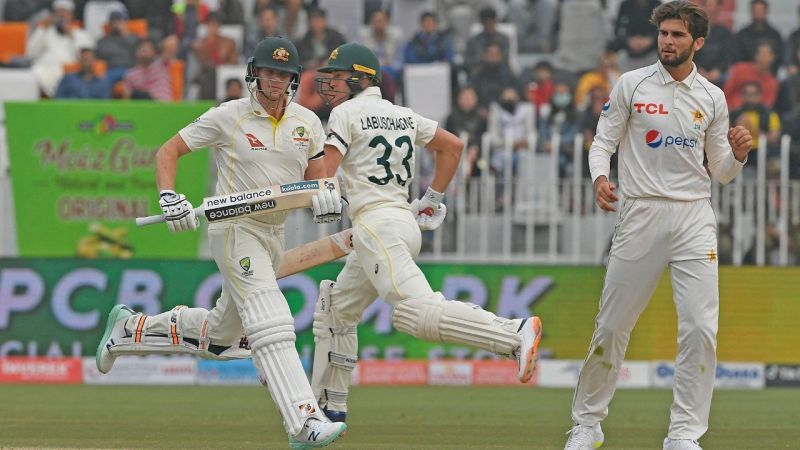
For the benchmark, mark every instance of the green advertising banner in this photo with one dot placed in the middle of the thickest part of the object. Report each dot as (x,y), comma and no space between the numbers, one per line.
(58,307)
(82,171)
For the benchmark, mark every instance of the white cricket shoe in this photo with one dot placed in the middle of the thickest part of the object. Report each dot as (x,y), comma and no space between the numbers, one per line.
(115,329)
(582,437)
(316,434)
(530,332)
(681,444)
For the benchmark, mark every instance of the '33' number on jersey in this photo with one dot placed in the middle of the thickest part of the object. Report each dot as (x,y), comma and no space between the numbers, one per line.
(388,163)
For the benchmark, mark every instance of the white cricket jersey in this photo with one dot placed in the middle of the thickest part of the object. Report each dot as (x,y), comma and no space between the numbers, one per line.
(663,127)
(378,141)
(253,149)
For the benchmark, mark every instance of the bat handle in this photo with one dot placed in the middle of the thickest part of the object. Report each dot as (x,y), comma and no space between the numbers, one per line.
(159,218)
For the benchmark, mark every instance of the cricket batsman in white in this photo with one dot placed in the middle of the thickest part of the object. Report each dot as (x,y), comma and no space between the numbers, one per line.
(666,119)
(258,141)
(375,144)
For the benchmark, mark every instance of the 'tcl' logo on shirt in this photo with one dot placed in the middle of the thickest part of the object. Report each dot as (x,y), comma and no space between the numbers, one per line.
(651,108)
(654,139)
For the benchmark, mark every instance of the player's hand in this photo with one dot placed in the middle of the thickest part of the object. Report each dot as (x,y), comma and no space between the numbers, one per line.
(604,193)
(741,142)
(327,206)
(178,212)
(429,211)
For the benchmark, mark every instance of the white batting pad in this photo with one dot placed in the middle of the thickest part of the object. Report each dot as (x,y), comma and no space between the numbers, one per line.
(269,326)
(435,319)
(335,348)
(173,332)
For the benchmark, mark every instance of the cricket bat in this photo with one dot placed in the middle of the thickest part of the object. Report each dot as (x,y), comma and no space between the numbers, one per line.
(255,202)
(317,252)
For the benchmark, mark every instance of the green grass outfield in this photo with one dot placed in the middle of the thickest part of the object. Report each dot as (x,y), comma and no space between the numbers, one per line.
(380,418)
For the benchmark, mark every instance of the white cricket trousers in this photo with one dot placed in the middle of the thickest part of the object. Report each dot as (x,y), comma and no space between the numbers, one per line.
(652,234)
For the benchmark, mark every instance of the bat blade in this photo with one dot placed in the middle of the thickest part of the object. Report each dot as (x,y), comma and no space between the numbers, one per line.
(255,202)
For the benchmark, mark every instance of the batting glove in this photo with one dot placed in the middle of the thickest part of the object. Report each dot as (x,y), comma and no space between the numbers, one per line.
(327,206)
(178,212)
(429,210)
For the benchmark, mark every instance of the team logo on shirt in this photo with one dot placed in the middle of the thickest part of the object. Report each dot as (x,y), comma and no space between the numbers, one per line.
(300,139)
(255,144)
(606,107)
(697,118)
(653,139)
(244,263)
(280,54)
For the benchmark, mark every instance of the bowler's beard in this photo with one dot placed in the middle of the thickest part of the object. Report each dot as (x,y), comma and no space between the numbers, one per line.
(677,60)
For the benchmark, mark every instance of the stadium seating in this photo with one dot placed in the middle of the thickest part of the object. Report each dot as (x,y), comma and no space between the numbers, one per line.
(13,37)
(427,89)
(226,71)
(95,16)
(100,67)
(347,16)
(177,79)
(136,26)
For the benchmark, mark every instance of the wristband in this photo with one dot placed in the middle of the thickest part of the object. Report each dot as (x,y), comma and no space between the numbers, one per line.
(433,196)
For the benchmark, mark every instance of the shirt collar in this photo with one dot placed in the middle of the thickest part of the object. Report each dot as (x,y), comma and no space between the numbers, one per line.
(372,91)
(261,112)
(667,78)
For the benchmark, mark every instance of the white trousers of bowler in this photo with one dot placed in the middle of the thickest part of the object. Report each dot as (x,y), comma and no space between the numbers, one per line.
(650,235)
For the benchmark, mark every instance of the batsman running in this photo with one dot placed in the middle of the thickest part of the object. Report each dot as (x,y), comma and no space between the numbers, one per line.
(258,141)
(375,142)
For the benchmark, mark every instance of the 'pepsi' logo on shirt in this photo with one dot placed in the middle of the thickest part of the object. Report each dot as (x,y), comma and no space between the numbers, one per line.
(654,139)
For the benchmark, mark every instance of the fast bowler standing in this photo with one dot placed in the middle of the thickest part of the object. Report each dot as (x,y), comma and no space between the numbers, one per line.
(258,141)
(665,118)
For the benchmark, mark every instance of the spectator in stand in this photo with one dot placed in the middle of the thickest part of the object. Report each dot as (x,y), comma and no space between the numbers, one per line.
(539,90)
(23,10)
(759,119)
(385,41)
(290,8)
(157,13)
(212,51)
(723,11)
(230,12)
(604,76)
(488,35)
(493,76)
(233,89)
(759,71)
(320,40)
(789,93)
(187,17)
(510,123)
(55,41)
(634,34)
(150,77)
(793,49)
(562,119)
(750,37)
(268,26)
(465,119)
(716,56)
(86,83)
(118,47)
(429,44)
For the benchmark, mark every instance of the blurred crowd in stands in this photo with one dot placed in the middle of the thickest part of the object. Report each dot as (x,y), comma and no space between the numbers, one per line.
(517,67)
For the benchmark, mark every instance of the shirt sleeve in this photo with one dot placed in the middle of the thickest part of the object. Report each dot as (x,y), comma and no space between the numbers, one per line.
(204,132)
(721,163)
(339,131)
(610,128)
(426,129)
(316,149)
